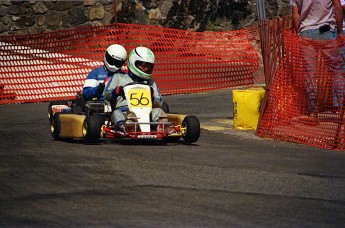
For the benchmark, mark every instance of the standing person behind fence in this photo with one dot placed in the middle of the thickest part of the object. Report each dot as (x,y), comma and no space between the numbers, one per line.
(114,58)
(338,95)
(141,61)
(317,20)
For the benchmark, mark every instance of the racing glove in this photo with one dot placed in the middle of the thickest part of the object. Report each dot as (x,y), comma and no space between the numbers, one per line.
(118,91)
(100,88)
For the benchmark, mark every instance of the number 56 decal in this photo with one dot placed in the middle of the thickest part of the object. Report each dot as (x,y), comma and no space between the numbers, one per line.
(140,97)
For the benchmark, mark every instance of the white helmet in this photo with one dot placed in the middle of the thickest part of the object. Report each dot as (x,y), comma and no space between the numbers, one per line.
(114,57)
(141,62)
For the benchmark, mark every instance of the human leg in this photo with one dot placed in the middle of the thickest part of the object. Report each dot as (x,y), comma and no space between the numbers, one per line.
(158,115)
(118,116)
(335,61)
(310,89)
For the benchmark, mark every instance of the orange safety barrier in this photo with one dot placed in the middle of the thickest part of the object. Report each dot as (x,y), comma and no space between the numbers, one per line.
(305,103)
(304,79)
(54,65)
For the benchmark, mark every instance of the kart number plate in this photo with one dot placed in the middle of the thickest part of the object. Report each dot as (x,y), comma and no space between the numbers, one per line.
(147,136)
(140,98)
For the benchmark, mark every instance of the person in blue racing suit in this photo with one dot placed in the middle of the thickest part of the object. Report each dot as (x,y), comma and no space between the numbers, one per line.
(114,58)
(140,66)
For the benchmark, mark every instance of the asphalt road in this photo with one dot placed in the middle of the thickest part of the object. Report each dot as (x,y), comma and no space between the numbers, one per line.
(229,178)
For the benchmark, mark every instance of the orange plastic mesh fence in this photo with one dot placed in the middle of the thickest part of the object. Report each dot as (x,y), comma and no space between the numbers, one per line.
(54,65)
(306,100)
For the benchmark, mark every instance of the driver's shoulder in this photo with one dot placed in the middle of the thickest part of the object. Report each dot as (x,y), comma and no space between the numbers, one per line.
(151,82)
(98,70)
(123,79)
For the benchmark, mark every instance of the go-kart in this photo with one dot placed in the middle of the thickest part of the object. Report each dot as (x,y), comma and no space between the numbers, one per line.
(92,121)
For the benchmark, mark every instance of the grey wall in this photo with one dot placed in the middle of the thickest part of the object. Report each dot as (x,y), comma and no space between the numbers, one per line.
(27,17)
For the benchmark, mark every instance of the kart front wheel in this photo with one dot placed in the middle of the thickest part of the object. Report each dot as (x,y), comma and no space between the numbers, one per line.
(192,129)
(92,127)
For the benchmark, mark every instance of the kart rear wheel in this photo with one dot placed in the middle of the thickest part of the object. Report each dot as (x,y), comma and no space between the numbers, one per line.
(165,107)
(55,125)
(50,112)
(192,126)
(92,128)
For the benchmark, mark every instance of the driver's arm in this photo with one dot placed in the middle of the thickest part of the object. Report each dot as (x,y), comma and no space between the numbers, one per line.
(157,95)
(109,89)
(91,88)
(338,11)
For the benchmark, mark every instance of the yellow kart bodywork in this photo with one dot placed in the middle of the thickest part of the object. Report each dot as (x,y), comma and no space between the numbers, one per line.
(71,126)
(176,118)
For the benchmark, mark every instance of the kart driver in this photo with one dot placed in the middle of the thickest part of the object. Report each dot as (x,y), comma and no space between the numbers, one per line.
(114,58)
(140,67)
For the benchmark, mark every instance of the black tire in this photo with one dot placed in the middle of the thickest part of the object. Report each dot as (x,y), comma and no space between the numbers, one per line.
(50,113)
(165,107)
(92,127)
(192,125)
(171,139)
(55,126)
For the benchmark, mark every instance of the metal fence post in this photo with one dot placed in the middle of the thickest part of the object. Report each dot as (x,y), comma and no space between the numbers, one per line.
(261,9)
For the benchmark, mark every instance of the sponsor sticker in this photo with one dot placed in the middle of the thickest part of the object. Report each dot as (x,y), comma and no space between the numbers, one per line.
(147,136)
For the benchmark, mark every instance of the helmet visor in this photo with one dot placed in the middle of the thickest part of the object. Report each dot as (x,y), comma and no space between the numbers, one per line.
(144,67)
(114,62)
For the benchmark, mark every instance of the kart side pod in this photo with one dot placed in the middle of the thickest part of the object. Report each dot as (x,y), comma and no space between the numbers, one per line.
(67,126)
(176,118)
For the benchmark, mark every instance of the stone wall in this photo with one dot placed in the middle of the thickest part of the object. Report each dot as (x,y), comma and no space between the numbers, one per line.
(28,17)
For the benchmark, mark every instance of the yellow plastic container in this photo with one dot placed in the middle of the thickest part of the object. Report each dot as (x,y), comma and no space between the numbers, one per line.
(246,107)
